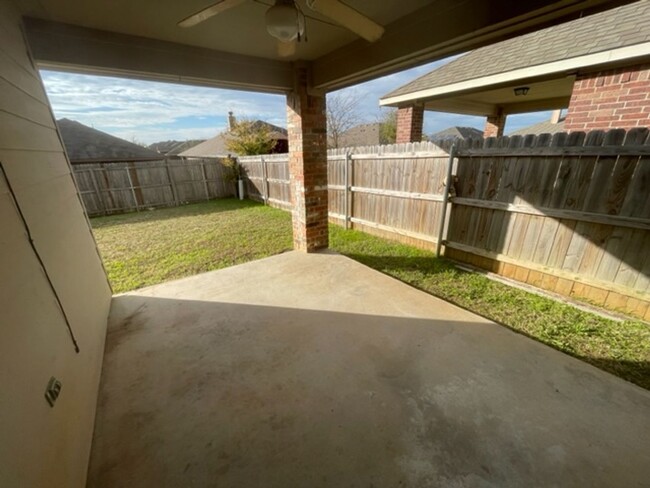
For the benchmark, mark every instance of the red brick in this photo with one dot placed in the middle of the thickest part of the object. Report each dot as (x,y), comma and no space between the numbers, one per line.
(636,96)
(642,90)
(638,103)
(615,105)
(635,116)
(628,110)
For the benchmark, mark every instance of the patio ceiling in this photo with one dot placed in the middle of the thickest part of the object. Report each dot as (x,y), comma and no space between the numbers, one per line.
(542,95)
(141,39)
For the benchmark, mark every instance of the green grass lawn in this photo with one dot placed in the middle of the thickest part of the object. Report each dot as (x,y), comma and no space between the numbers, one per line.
(141,249)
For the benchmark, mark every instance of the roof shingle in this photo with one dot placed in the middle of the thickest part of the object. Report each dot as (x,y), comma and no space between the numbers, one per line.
(611,29)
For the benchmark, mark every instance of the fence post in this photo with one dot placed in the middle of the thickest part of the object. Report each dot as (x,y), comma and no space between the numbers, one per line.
(351,192)
(445,199)
(172,185)
(265,176)
(347,190)
(135,198)
(205,180)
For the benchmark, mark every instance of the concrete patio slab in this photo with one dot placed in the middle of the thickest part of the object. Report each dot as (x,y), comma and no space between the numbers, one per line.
(316,371)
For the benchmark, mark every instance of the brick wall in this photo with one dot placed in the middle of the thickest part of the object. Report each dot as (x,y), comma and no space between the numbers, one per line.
(610,99)
(494,125)
(409,124)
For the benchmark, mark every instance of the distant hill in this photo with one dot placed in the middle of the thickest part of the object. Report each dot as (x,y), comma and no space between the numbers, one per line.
(87,145)
(174,148)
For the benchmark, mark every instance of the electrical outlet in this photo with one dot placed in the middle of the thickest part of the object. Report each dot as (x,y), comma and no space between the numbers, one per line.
(52,391)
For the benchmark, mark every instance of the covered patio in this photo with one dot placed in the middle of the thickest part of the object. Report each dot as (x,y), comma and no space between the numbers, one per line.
(301,370)
(259,375)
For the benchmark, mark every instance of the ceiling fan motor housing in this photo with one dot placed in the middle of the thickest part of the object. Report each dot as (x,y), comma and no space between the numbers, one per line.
(283,20)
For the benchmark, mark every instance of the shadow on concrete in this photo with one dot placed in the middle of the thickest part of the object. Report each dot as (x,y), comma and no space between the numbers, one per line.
(205,393)
(637,372)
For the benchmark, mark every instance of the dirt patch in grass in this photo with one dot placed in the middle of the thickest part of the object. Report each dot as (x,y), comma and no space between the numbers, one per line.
(145,248)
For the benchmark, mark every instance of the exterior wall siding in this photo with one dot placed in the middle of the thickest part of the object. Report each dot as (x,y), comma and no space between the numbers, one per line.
(42,445)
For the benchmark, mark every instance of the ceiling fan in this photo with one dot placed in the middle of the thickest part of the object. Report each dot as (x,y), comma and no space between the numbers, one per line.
(286,22)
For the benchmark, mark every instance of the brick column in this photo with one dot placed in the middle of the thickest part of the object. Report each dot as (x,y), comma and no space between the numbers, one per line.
(409,123)
(307,130)
(495,124)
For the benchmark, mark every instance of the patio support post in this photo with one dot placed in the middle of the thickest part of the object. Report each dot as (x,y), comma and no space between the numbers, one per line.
(495,124)
(307,131)
(410,120)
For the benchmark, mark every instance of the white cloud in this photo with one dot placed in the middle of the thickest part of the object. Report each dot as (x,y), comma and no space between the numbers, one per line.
(152,111)
(124,106)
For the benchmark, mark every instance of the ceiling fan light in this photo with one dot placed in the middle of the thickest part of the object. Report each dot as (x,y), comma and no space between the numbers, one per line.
(282,22)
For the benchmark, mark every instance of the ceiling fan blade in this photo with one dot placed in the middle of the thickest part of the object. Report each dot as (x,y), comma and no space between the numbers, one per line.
(206,13)
(348,18)
(286,49)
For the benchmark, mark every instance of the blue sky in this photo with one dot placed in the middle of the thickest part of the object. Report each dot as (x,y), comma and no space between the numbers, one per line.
(146,112)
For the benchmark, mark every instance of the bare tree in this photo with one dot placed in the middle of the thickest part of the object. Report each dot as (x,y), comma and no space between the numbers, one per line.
(342,114)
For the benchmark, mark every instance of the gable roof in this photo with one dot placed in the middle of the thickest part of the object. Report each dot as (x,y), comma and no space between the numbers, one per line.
(85,145)
(545,127)
(214,147)
(456,132)
(613,29)
(217,147)
(360,135)
(173,148)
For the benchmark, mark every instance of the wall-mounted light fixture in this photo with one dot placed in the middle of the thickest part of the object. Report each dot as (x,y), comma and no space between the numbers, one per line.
(521,91)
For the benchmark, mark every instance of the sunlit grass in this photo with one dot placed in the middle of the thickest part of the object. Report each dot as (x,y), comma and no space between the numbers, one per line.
(141,249)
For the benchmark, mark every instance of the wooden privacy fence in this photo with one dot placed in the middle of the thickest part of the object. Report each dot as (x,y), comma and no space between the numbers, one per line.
(107,188)
(394,191)
(267,179)
(568,213)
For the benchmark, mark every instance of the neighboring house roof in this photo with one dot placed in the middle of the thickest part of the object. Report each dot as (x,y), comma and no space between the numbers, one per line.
(214,147)
(174,148)
(217,146)
(87,145)
(546,127)
(360,135)
(456,132)
(617,35)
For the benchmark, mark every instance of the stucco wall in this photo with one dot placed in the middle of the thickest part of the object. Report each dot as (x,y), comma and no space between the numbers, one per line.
(41,446)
